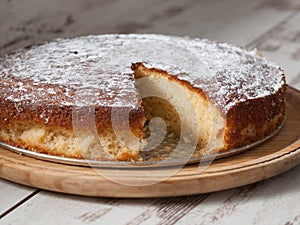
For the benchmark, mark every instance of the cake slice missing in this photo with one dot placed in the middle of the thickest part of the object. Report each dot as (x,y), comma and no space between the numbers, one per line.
(188,112)
(239,102)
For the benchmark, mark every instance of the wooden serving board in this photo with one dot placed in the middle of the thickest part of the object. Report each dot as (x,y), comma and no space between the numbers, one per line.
(275,156)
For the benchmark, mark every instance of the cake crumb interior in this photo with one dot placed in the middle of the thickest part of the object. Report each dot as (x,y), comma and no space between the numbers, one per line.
(187,114)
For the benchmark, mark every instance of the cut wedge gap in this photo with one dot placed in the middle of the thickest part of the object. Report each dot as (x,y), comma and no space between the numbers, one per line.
(188,114)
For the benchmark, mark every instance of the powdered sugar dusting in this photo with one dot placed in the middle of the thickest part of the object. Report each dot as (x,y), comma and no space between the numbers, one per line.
(56,71)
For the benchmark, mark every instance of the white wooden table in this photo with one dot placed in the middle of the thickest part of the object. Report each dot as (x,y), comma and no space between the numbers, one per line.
(272,26)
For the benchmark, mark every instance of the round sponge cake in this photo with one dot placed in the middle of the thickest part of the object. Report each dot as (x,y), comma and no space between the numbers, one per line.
(238,102)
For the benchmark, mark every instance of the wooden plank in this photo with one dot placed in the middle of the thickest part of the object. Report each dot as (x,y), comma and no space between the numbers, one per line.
(11,194)
(231,21)
(275,201)
(282,44)
(30,21)
(26,22)
(50,208)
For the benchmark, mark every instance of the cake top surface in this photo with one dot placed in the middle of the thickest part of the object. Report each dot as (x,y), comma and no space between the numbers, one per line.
(98,68)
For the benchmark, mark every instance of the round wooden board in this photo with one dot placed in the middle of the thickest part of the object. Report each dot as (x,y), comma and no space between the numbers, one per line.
(275,156)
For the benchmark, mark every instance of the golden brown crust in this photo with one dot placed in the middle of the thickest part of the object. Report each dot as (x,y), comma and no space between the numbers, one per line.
(255,119)
(61,116)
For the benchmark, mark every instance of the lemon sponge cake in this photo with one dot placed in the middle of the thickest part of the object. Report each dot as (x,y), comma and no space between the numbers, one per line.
(240,100)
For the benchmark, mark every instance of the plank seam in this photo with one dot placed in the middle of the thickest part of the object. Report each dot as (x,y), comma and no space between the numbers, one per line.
(263,36)
(19,203)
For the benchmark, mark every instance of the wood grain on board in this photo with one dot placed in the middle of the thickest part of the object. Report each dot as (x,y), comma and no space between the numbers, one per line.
(254,204)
